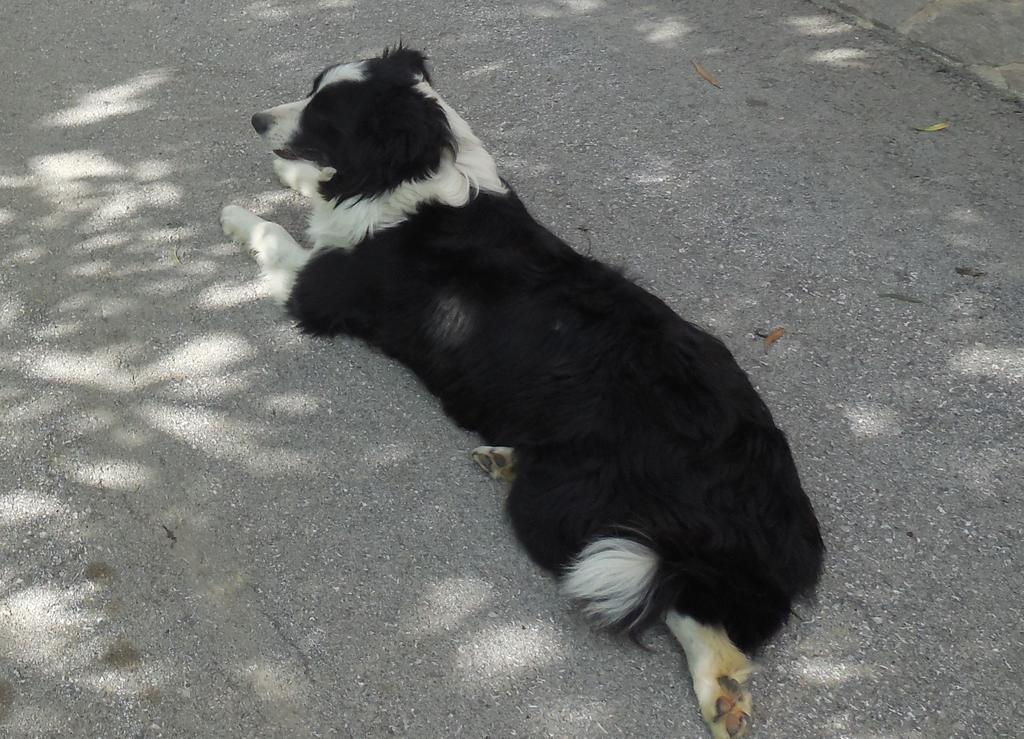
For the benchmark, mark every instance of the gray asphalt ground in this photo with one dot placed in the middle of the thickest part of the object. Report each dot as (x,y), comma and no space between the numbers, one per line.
(214,527)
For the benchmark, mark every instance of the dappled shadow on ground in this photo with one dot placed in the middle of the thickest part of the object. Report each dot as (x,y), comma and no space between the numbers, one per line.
(210,521)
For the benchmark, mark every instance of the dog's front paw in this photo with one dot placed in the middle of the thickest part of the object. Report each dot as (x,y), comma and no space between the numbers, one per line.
(302,177)
(238,223)
(294,174)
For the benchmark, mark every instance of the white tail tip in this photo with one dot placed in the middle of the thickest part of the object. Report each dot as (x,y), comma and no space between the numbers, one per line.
(613,576)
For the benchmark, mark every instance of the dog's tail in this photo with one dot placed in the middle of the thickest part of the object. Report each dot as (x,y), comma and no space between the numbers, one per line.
(614,578)
(629,580)
(626,584)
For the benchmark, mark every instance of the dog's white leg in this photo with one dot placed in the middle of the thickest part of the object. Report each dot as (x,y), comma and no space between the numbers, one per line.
(719,671)
(238,223)
(279,256)
(302,177)
(497,461)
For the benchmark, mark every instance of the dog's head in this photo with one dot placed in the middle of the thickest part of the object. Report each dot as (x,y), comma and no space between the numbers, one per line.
(375,123)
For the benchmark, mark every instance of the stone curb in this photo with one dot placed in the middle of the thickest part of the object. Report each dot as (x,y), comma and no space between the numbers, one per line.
(983,37)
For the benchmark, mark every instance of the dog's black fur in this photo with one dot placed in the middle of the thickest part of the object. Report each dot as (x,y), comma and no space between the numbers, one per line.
(626,419)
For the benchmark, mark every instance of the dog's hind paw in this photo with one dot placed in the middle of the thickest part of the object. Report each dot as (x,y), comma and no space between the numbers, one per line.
(730,718)
(720,673)
(238,223)
(497,461)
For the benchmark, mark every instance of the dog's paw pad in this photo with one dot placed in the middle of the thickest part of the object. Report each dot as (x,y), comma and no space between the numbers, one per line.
(497,461)
(238,223)
(737,724)
(730,718)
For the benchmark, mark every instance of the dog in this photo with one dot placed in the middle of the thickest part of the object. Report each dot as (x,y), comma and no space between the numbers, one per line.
(645,471)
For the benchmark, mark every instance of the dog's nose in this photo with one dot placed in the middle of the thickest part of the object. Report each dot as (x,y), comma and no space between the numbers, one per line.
(261,122)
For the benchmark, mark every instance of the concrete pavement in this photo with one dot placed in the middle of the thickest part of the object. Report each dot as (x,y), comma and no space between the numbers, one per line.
(214,527)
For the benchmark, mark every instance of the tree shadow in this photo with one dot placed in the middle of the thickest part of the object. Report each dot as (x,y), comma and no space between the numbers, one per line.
(213,524)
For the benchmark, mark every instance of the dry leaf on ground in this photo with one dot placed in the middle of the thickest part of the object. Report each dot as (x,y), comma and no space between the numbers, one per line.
(901,297)
(703,72)
(933,128)
(772,337)
(970,272)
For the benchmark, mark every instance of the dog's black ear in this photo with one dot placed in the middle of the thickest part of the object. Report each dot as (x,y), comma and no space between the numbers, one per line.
(413,60)
(411,134)
(401,138)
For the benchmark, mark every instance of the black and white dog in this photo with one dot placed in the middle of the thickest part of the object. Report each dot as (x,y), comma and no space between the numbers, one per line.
(645,471)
